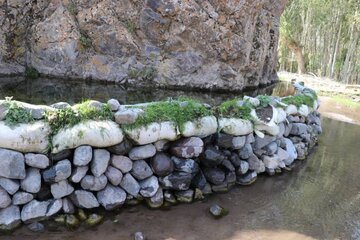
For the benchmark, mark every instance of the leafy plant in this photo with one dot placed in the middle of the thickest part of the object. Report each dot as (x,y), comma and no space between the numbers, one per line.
(16,114)
(298,100)
(130,26)
(84,41)
(264,100)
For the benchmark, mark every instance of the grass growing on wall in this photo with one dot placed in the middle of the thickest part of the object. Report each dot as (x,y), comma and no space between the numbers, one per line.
(68,117)
(264,100)
(176,111)
(298,100)
(232,109)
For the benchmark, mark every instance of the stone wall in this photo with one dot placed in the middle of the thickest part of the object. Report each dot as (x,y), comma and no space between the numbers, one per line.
(213,44)
(106,163)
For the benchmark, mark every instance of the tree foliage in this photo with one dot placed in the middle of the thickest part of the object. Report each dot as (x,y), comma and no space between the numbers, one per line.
(327,33)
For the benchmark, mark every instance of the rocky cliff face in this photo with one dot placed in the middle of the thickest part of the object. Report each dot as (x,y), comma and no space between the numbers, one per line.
(210,44)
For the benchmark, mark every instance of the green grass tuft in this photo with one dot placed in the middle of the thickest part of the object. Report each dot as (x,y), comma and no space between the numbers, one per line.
(299,100)
(175,111)
(31,73)
(264,100)
(231,109)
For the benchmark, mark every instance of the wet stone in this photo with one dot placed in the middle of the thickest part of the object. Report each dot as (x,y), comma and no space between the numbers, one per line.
(255,164)
(169,197)
(21,198)
(114,175)
(227,166)
(199,181)
(111,197)
(246,179)
(84,199)
(12,164)
(220,188)
(299,129)
(185,165)
(124,164)
(142,152)
(230,142)
(10,185)
(59,172)
(93,183)
(83,155)
(79,173)
(36,227)
(185,196)
(130,185)
(10,218)
(37,160)
(270,162)
(61,189)
(214,175)
(100,162)
(162,164)
(149,186)
(122,148)
(246,151)
(235,160)
(262,142)
(139,236)
(157,200)
(212,157)
(271,148)
(141,170)
(5,199)
(32,182)
(176,181)
(94,219)
(217,211)
(187,147)
(243,168)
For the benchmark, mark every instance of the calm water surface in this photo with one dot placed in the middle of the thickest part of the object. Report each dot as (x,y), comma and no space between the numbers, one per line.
(319,199)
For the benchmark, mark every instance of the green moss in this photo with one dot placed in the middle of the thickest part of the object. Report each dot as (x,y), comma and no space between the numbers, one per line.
(175,111)
(72,8)
(84,41)
(31,73)
(299,100)
(231,109)
(68,117)
(130,26)
(16,114)
(264,100)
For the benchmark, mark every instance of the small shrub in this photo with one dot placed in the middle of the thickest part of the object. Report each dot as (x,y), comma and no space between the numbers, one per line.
(16,114)
(264,100)
(84,41)
(231,109)
(298,100)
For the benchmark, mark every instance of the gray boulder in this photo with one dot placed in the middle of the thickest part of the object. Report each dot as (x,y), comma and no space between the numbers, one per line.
(61,189)
(114,175)
(84,199)
(230,142)
(299,129)
(255,164)
(127,116)
(250,138)
(243,168)
(111,197)
(34,211)
(162,145)
(10,218)
(141,170)
(185,165)
(93,183)
(82,155)
(187,147)
(142,152)
(161,164)
(37,160)
(5,199)
(247,178)
(100,162)
(58,172)
(122,148)
(79,173)
(212,157)
(185,196)
(21,198)
(214,175)
(54,207)
(149,186)
(32,182)
(157,200)
(36,227)
(176,181)
(227,166)
(60,105)
(262,142)
(217,212)
(12,164)
(130,185)
(113,104)
(124,164)
(271,148)
(271,162)
(68,206)
(246,151)
(10,185)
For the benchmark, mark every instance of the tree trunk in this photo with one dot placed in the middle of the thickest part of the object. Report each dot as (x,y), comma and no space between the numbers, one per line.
(295,48)
(335,53)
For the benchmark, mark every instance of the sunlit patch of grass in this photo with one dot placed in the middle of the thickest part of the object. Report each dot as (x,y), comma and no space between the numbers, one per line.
(345,101)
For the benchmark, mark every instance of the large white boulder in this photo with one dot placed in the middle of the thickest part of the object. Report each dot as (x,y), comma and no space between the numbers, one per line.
(281,115)
(235,126)
(94,133)
(201,127)
(304,110)
(31,137)
(153,132)
(270,126)
(291,109)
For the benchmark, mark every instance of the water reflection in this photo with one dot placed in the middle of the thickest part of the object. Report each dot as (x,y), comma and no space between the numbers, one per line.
(48,91)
